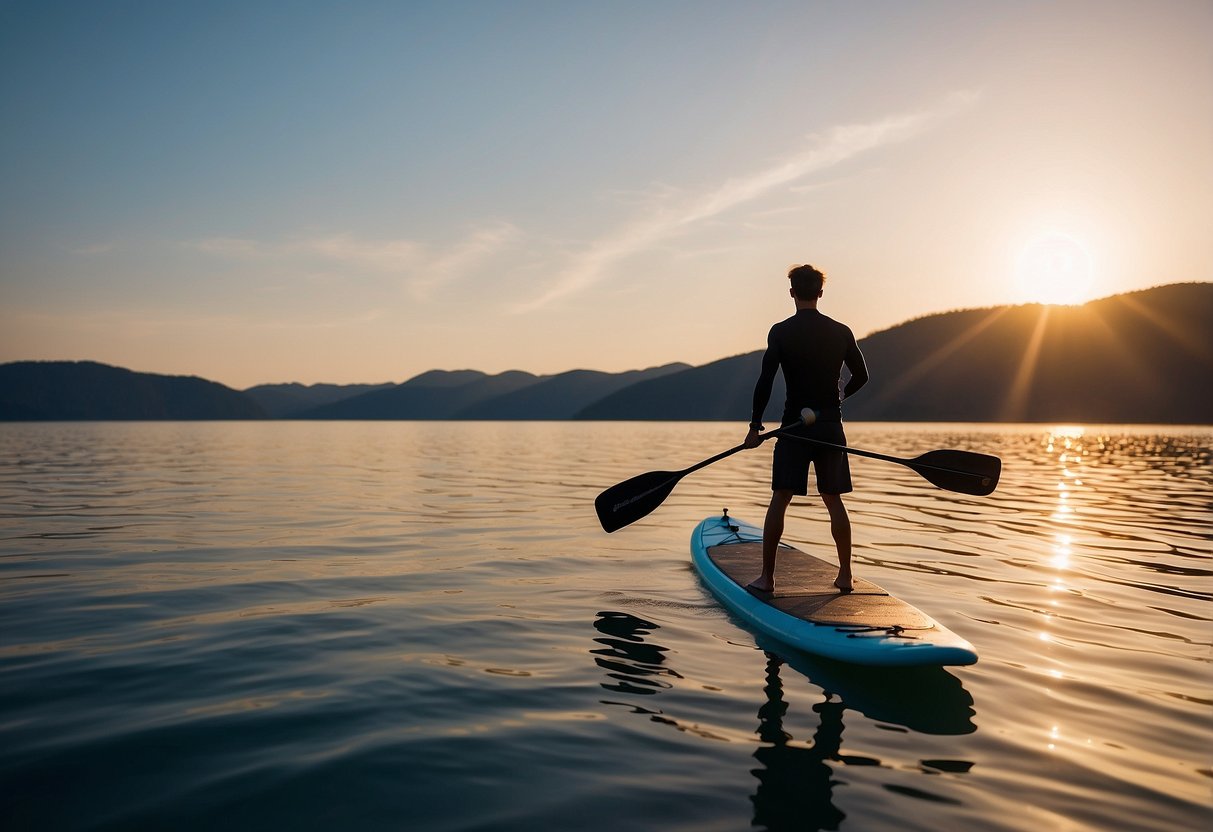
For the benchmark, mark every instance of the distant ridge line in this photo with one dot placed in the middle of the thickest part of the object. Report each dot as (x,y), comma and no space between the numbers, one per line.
(1140,357)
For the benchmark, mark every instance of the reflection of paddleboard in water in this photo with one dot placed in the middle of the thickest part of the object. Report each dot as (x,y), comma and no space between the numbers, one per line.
(866,626)
(926,699)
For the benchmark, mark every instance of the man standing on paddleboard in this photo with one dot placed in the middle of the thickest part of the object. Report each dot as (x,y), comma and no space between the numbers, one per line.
(811,350)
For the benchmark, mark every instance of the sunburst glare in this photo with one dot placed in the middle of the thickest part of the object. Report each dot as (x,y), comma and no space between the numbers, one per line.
(1055,268)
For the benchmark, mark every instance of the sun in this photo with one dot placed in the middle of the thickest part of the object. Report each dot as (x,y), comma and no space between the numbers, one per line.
(1055,268)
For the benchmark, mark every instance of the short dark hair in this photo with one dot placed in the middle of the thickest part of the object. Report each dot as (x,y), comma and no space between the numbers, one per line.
(806,281)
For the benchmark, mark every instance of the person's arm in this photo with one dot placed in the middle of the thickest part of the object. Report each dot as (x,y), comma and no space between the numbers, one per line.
(766,380)
(858,367)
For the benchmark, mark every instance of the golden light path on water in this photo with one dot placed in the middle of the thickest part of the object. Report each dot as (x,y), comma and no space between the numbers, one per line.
(1068,446)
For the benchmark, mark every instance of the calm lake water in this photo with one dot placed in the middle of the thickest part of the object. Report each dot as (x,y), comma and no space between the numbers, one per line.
(421,626)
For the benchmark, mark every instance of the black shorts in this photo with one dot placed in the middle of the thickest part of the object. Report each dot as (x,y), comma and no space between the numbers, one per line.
(790,467)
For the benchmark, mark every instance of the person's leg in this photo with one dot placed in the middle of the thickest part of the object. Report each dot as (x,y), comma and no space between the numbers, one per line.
(834,480)
(789,476)
(840,528)
(772,531)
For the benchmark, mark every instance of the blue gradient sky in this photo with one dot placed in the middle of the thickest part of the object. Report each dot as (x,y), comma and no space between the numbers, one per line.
(361,191)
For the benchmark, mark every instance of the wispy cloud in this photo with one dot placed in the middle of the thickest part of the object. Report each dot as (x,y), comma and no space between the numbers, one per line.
(421,267)
(463,258)
(676,214)
(142,321)
(379,255)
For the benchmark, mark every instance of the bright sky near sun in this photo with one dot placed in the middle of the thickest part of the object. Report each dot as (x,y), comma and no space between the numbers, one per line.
(361,191)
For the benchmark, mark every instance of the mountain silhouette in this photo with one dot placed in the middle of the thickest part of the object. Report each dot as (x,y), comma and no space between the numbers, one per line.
(1140,357)
(563,396)
(66,390)
(437,394)
(722,390)
(286,400)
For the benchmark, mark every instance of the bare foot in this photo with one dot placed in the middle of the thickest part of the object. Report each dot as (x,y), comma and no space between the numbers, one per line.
(760,585)
(844,582)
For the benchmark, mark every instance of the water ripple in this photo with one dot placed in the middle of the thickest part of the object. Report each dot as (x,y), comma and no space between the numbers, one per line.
(415,625)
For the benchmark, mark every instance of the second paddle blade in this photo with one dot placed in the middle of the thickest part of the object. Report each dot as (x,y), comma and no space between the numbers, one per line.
(625,503)
(962,471)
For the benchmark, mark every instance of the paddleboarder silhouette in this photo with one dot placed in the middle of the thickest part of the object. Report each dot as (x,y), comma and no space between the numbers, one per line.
(811,350)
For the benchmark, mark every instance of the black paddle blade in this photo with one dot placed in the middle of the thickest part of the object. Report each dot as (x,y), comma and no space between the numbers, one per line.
(962,471)
(625,503)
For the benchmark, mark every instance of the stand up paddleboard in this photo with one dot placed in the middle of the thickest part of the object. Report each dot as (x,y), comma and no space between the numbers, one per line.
(865,626)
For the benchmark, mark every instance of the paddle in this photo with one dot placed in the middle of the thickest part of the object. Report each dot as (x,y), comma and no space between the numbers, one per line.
(962,471)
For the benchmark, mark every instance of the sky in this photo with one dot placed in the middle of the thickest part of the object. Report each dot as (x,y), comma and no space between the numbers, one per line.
(343,192)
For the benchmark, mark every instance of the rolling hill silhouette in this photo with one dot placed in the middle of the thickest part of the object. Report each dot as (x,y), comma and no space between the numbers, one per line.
(285,400)
(469,394)
(1134,358)
(66,390)
(437,394)
(722,390)
(1140,357)
(562,396)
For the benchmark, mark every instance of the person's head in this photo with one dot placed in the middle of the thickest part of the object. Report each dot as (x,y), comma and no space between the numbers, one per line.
(806,282)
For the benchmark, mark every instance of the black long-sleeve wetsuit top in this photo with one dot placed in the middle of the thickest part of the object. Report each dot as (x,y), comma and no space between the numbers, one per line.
(811,349)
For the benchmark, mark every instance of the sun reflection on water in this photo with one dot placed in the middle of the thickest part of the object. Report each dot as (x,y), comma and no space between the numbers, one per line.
(1066,447)
(1061,553)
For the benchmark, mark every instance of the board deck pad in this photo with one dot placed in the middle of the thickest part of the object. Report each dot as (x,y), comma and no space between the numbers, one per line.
(804,588)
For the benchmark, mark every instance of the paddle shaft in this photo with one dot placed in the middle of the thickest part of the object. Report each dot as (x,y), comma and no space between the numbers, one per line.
(731,451)
(909,463)
(787,430)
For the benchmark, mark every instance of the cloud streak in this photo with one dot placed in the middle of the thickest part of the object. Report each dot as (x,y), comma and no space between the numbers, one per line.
(824,150)
(422,268)
(463,258)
